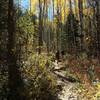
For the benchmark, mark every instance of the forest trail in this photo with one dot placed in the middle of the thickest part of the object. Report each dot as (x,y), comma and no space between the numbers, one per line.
(68,85)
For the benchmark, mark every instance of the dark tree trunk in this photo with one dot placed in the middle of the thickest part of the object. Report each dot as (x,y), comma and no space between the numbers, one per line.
(80,5)
(40,26)
(98,26)
(14,78)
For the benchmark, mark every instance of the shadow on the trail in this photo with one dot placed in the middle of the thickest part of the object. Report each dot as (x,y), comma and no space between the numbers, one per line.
(66,79)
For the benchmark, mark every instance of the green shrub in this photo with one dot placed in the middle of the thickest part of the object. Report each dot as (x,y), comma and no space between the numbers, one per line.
(40,83)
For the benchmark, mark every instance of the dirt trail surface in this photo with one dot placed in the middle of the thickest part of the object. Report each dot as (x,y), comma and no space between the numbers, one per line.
(68,92)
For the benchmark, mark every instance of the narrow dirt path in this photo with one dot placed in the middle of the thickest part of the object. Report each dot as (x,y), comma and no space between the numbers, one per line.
(68,92)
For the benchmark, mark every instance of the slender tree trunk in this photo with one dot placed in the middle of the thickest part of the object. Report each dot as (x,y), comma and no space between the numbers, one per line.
(13,71)
(80,5)
(30,6)
(57,35)
(75,7)
(73,44)
(40,27)
(98,26)
(65,11)
(58,25)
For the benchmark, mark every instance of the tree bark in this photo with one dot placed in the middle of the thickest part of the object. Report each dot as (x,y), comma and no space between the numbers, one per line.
(98,26)
(40,27)
(80,5)
(14,78)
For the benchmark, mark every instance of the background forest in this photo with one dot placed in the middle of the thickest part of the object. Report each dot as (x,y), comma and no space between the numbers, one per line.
(46,45)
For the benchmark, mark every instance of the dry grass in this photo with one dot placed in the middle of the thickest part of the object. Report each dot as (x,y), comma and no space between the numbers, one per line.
(85,69)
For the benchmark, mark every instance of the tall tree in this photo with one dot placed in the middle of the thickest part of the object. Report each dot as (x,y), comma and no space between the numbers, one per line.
(3,29)
(80,6)
(40,26)
(15,81)
(98,25)
(71,30)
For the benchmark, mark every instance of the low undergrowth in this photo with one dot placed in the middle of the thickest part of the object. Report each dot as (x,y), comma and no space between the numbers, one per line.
(40,83)
(87,71)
